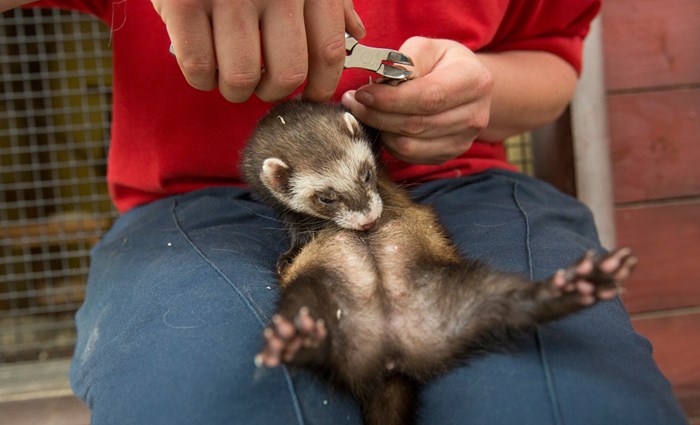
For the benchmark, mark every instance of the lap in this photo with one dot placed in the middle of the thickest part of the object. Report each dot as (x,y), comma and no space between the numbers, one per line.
(179,292)
(588,368)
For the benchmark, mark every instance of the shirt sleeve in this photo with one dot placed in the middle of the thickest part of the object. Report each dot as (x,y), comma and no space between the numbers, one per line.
(554,26)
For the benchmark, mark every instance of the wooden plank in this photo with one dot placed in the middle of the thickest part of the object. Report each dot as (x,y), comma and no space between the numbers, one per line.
(54,230)
(676,343)
(651,43)
(34,380)
(553,154)
(655,147)
(65,410)
(666,239)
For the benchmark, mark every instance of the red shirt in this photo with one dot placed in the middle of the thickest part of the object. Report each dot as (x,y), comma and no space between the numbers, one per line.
(169,138)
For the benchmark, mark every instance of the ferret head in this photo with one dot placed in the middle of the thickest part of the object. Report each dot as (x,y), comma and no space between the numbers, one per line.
(320,163)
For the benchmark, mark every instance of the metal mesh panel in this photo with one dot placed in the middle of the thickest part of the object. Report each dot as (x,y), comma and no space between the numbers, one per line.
(55,104)
(519,152)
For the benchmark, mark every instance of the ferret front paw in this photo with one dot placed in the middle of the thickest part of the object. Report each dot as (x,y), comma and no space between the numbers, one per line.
(284,261)
(284,338)
(594,278)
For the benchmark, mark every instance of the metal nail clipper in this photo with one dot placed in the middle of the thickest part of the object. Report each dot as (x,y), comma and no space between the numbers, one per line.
(390,64)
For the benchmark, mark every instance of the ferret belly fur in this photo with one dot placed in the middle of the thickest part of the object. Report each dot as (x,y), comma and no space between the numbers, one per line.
(380,311)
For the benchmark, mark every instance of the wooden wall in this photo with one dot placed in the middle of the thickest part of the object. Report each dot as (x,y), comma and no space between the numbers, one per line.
(652,54)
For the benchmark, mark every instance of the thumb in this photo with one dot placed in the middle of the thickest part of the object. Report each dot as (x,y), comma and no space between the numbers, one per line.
(425,53)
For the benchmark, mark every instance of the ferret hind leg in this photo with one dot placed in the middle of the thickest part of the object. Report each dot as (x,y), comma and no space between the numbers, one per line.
(489,309)
(590,280)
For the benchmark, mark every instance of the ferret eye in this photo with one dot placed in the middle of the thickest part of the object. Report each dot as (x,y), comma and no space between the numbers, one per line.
(325,200)
(368,176)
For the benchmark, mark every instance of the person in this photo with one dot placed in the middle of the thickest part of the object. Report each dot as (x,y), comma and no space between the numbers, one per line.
(182,286)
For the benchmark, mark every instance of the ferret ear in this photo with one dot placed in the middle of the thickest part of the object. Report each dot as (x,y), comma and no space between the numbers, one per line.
(352,124)
(275,174)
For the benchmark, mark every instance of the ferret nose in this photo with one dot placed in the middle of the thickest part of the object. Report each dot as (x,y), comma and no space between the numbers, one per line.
(370,225)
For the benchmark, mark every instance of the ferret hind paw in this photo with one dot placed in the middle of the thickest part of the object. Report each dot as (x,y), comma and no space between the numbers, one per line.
(595,278)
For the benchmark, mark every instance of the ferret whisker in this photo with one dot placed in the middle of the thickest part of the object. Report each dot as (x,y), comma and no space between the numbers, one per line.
(274,217)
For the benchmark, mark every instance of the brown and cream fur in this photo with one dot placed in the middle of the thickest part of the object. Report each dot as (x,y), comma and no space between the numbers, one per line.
(380,309)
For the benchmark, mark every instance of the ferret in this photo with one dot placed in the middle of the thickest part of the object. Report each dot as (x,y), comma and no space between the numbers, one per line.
(375,297)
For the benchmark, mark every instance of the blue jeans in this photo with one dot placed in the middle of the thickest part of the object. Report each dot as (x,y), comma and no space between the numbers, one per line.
(180,290)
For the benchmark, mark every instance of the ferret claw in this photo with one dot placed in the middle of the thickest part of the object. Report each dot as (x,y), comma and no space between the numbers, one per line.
(595,278)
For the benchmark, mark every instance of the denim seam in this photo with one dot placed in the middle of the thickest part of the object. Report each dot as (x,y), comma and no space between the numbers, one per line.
(246,300)
(549,378)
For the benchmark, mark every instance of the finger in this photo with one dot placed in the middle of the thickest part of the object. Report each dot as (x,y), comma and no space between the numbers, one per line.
(466,119)
(284,50)
(189,30)
(353,22)
(237,42)
(425,151)
(325,32)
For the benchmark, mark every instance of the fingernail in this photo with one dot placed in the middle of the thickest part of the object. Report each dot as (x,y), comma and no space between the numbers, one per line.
(364,98)
(348,98)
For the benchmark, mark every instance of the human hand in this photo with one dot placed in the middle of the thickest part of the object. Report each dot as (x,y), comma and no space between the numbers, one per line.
(296,40)
(436,116)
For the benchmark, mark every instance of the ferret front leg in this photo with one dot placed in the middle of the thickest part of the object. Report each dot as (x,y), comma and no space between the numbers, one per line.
(300,230)
(297,341)
(299,334)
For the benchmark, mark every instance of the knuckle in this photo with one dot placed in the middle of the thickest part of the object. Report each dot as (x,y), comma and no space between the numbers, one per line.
(290,78)
(318,94)
(237,86)
(332,52)
(479,121)
(415,125)
(243,80)
(432,99)
(198,68)
(404,147)
(276,86)
(486,82)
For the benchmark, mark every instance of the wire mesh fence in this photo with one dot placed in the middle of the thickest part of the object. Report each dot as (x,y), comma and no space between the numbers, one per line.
(55,104)
(519,152)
